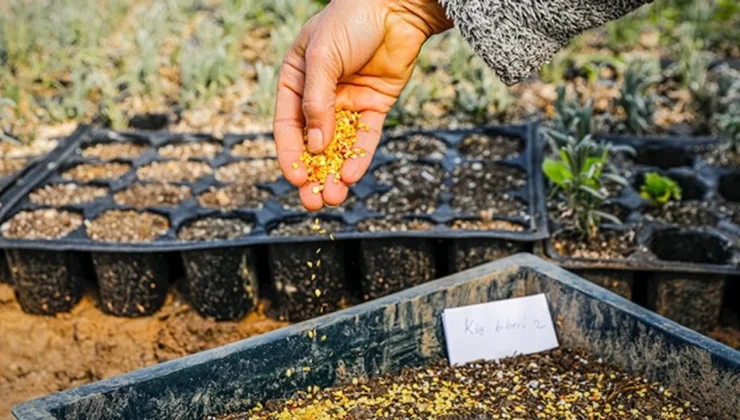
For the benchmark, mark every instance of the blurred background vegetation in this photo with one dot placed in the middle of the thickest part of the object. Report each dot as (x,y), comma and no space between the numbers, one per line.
(211,65)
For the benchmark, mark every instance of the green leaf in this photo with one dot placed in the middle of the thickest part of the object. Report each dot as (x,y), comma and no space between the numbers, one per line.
(557,172)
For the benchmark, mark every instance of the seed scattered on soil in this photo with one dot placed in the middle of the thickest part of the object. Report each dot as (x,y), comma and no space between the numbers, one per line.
(16,151)
(607,245)
(482,187)
(188,150)
(257,148)
(478,146)
(486,225)
(234,196)
(292,201)
(117,150)
(127,226)
(174,171)
(215,229)
(417,146)
(562,384)
(66,194)
(11,166)
(307,227)
(250,171)
(416,188)
(87,172)
(41,224)
(341,148)
(152,195)
(394,224)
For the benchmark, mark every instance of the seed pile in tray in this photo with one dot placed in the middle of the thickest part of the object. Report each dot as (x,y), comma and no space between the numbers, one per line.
(438,182)
(14,158)
(702,228)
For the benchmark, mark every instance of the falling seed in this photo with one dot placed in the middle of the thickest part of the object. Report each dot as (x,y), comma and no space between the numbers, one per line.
(318,263)
(322,231)
(315,227)
(318,250)
(323,338)
(313,276)
(294,165)
(310,264)
(331,236)
(307,369)
(289,373)
(317,293)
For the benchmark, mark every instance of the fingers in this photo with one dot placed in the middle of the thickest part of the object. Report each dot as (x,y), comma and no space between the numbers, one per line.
(311,201)
(354,169)
(334,194)
(319,100)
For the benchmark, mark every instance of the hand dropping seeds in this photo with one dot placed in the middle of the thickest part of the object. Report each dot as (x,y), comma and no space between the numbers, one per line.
(341,148)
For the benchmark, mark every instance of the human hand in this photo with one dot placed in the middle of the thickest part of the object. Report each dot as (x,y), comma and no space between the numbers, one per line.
(354,55)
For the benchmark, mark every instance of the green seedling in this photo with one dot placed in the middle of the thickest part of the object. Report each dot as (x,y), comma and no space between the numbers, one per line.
(485,98)
(571,119)
(635,99)
(659,190)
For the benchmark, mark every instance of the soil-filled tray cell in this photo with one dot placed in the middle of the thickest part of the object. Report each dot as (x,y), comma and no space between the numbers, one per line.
(607,245)
(11,166)
(127,226)
(174,171)
(87,172)
(471,252)
(258,148)
(291,201)
(474,224)
(131,284)
(692,300)
(391,265)
(112,151)
(42,224)
(46,282)
(142,196)
(415,188)
(417,146)
(665,157)
(66,194)
(249,171)
(490,147)
(619,282)
(190,150)
(222,283)
(394,224)
(234,196)
(692,246)
(485,189)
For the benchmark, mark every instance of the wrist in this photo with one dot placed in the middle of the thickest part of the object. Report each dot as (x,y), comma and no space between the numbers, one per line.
(428,13)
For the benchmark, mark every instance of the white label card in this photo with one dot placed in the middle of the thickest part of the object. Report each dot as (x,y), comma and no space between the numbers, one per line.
(494,330)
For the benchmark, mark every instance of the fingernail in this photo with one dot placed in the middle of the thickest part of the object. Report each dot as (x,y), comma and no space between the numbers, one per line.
(315,140)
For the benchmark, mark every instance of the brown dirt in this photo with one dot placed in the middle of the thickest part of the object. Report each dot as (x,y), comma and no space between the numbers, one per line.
(11,166)
(394,224)
(292,201)
(41,224)
(607,245)
(185,151)
(174,171)
(416,188)
(66,194)
(306,227)
(693,213)
(214,228)
(480,188)
(127,226)
(110,151)
(486,225)
(87,172)
(41,355)
(248,171)
(234,196)
(15,151)
(481,147)
(417,146)
(152,195)
(257,148)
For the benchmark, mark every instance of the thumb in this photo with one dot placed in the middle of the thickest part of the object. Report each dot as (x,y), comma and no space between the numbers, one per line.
(319,96)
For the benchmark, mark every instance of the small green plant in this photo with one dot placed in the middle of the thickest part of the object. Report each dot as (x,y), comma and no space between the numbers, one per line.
(579,173)
(635,99)
(485,97)
(571,119)
(659,189)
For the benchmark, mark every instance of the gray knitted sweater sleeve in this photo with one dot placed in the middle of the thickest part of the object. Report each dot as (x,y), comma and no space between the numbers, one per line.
(516,37)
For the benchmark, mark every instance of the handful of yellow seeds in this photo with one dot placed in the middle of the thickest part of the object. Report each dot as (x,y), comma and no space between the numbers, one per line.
(341,148)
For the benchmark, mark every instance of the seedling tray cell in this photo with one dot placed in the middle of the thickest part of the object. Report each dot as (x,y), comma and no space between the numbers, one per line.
(180,178)
(405,330)
(687,248)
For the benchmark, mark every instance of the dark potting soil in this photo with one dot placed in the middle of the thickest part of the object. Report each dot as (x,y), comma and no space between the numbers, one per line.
(127,226)
(11,166)
(186,151)
(693,213)
(174,171)
(250,171)
(307,227)
(394,224)
(415,188)
(110,151)
(215,229)
(66,194)
(482,147)
(41,224)
(481,189)
(731,210)
(486,225)
(292,201)
(241,195)
(152,195)
(563,383)
(417,146)
(724,157)
(87,172)
(607,244)
(257,148)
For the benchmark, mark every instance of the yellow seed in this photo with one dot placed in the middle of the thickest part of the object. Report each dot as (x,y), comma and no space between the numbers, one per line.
(331,236)
(313,276)
(316,189)
(322,231)
(318,250)
(318,263)
(315,227)
(310,264)
(294,165)
(317,292)
(289,373)
(307,369)
(323,338)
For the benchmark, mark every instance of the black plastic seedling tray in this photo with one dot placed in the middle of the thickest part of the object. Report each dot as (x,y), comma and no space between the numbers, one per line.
(686,265)
(133,277)
(405,330)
